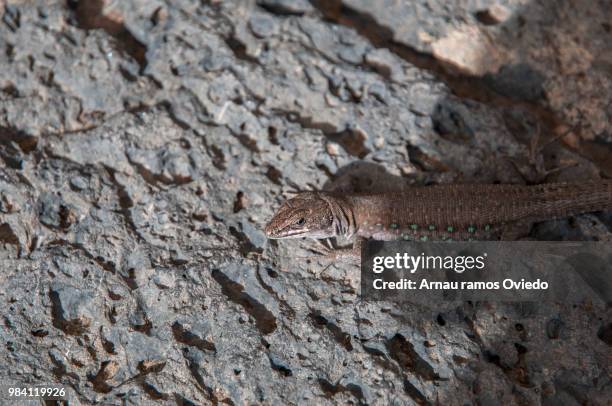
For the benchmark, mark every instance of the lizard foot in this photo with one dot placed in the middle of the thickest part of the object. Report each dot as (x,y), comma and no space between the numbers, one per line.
(534,170)
(345,255)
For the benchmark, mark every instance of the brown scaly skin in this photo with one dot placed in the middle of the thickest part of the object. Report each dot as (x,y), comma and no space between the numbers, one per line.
(443,212)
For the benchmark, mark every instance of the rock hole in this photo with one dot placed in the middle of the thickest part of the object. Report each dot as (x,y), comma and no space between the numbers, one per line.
(92,15)
(492,358)
(272,135)
(26,142)
(248,142)
(521,349)
(264,319)
(153,392)
(246,246)
(239,202)
(39,332)
(183,335)
(352,140)
(605,334)
(274,175)
(403,352)
(218,157)
(340,336)
(485,17)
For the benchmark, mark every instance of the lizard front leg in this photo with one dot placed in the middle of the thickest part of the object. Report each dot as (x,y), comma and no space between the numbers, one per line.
(344,255)
(347,255)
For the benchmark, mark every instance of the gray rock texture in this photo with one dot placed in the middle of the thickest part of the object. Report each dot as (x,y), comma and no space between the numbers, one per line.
(144,144)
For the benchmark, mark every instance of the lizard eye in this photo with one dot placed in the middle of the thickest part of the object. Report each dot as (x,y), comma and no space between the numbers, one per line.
(301,221)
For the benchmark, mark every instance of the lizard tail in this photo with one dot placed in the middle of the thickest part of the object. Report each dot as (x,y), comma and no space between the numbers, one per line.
(566,199)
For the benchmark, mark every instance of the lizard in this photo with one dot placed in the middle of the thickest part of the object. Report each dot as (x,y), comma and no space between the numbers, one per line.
(452,212)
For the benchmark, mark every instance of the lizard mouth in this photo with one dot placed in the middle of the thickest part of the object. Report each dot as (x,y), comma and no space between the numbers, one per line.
(275,234)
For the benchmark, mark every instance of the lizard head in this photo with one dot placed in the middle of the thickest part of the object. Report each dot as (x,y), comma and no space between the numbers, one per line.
(309,214)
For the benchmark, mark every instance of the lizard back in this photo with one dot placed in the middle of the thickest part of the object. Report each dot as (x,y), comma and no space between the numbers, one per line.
(473,211)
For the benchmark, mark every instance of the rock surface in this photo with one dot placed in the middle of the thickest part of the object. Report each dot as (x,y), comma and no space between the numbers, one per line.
(143,145)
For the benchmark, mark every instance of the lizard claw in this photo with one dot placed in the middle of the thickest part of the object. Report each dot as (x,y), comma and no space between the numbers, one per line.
(533,171)
(329,255)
